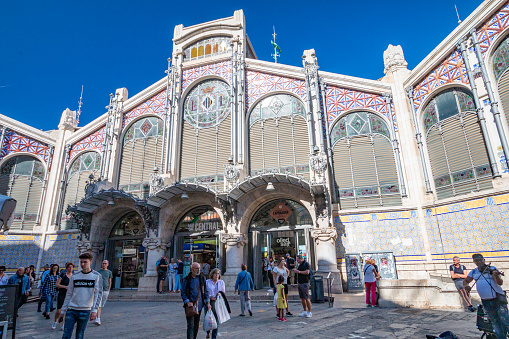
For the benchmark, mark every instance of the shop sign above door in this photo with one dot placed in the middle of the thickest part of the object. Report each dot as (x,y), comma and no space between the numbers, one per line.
(281,212)
(204,226)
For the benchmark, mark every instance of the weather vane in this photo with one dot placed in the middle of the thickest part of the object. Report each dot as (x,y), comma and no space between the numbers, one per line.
(79,107)
(277,50)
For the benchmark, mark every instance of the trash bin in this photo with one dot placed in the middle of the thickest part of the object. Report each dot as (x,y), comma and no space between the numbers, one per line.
(317,289)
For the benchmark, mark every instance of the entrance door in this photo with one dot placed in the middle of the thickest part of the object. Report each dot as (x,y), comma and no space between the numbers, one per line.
(200,249)
(128,263)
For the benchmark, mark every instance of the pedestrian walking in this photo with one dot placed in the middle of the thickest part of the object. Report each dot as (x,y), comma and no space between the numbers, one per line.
(3,277)
(24,285)
(195,297)
(43,276)
(27,273)
(107,277)
(205,268)
(62,285)
(458,274)
(370,275)
(244,284)
(270,267)
(281,271)
(178,277)
(303,271)
(82,300)
(214,286)
(162,268)
(281,299)
(488,282)
(172,274)
(49,290)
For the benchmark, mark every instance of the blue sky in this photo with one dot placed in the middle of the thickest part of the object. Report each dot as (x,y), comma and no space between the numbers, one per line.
(48,49)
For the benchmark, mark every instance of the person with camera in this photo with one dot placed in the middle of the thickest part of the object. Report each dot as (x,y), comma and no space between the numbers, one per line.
(488,282)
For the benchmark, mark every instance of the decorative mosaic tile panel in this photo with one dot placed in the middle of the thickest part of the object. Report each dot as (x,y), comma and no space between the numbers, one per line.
(17,142)
(492,28)
(60,249)
(19,250)
(154,105)
(396,232)
(222,69)
(258,84)
(452,69)
(93,141)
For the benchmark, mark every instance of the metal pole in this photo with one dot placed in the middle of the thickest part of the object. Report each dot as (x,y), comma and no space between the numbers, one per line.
(491,95)
(166,106)
(309,111)
(319,111)
(395,145)
(479,110)
(3,137)
(329,146)
(232,104)
(418,136)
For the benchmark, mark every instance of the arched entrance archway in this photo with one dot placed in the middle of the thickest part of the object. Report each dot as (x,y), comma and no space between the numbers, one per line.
(279,227)
(197,238)
(126,252)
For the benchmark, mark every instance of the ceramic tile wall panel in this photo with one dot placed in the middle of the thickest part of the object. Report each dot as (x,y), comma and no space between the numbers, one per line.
(259,84)
(478,225)
(340,100)
(19,250)
(17,142)
(492,28)
(154,105)
(221,69)
(92,141)
(396,232)
(451,70)
(60,249)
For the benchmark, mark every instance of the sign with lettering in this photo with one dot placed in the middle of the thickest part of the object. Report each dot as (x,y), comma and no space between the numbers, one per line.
(204,226)
(8,303)
(284,242)
(281,212)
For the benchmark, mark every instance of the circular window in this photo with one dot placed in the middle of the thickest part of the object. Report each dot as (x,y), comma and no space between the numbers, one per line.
(207,104)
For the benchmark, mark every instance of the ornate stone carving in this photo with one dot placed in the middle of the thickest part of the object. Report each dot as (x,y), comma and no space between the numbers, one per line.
(324,234)
(82,219)
(156,181)
(394,58)
(153,243)
(68,120)
(231,173)
(318,163)
(150,215)
(229,208)
(90,247)
(230,239)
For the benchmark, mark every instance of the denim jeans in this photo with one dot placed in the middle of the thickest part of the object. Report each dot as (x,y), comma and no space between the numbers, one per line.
(80,318)
(49,303)
(193,324)
(499,316)
(178,282)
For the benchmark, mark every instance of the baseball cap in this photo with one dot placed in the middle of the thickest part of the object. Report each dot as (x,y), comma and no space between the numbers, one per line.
(477,256)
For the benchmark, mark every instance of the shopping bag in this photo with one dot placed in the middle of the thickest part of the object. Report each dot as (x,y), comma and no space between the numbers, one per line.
(275,299)
(221,310)
(210,321)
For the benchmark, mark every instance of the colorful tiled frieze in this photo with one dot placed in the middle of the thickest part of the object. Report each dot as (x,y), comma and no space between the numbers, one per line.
(17,142)
(492,28)
(154,105)
(396,232)
(467,227)
(92,141)
(259,84)
(61,249)
(221,69)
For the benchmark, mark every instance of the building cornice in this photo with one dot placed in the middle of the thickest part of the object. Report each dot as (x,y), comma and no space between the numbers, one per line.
(449,44)
(27,130)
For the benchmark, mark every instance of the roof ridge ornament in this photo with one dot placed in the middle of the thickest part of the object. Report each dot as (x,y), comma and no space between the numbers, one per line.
(394,59)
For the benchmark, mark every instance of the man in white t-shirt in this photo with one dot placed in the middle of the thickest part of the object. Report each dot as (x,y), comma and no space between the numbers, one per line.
(488,283)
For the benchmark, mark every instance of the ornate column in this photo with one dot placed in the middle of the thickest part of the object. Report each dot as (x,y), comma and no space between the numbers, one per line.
(95,248)
(325,245)
(155,248)
(234,243)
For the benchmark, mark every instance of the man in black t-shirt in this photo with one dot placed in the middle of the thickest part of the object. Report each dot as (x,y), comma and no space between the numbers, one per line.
(162,268)
(290,264)
(458,274)
(303,272)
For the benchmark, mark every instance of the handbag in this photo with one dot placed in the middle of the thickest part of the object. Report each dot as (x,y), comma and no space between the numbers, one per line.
(191,311)
(502,298)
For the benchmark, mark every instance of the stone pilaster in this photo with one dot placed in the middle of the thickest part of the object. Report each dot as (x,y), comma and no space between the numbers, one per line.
(325,251)
(234,243)
(155,249)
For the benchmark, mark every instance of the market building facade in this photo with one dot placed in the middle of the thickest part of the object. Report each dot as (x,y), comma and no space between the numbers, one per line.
(230,160)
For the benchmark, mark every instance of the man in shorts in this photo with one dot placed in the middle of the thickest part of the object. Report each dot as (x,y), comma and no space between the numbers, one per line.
(107,276)
(458,274)
(303,272)
(162,269)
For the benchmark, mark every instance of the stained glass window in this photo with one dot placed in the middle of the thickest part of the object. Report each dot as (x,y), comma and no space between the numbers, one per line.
(276,106)
(295,215)
(501,58)
(200,219)
(144,128)
(207,47)
(358,123)
(130,224)
(446,105)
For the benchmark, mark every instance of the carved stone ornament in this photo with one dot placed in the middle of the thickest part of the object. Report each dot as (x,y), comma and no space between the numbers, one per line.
(68,120)
(156,182)
(231,173)
(394,57)
(230,239)
(318,163)
(82,219)
(89,247)
(150,215)
(324,234)
(155,243)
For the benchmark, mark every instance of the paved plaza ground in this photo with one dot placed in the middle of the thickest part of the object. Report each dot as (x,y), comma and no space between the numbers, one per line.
(347,319)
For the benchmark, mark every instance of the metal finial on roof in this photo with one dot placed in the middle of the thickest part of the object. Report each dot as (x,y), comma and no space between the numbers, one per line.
(79,107)
(457,14)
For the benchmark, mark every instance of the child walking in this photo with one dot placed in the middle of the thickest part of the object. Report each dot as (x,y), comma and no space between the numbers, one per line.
(281,298)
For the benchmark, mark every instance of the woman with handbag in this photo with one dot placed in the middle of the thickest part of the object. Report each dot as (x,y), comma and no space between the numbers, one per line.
(195,297)
(244,284)
(214,286)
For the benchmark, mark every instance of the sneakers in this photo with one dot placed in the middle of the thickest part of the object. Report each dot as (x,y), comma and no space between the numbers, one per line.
(289,314)
(242,315)
(54,326)
(471,308)
(303,314)
(97,321)
(368,305)
(309,315)
(283,319)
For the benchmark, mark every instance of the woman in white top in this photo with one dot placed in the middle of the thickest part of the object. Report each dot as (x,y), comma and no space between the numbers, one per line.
(370,275)
(214,285)
(278,271)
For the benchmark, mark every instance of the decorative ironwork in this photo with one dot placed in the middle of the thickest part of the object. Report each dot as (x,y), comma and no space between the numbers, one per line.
(83,220)
(150,215)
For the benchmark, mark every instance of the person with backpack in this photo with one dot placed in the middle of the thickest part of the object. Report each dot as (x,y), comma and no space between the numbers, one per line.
(488,282)
(195,297)
(244,284)
(370,275)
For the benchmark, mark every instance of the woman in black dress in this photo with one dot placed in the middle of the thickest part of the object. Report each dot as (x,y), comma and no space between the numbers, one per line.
(62,283)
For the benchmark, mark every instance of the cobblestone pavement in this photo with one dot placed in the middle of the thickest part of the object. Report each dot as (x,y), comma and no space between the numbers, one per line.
(166,320)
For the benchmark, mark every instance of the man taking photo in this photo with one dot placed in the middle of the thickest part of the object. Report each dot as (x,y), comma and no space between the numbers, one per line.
(488,282)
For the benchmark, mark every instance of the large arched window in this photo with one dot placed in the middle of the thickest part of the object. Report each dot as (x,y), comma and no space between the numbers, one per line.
(141,152)
(77,176)
(278,136)
(456,148)
(500,70)
(207,47)
(281,212)
(206,134)
(364,164)
(21,178)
